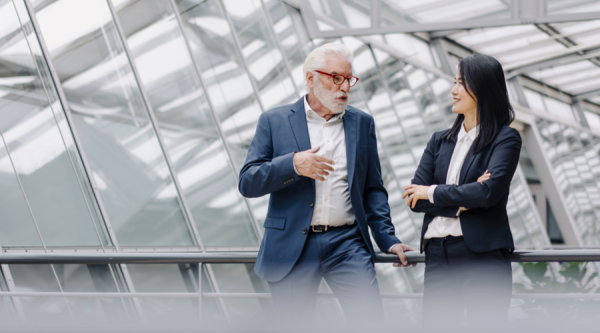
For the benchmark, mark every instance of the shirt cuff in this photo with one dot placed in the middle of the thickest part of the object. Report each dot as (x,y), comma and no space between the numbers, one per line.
(430,193)
(458,213)
(294,164)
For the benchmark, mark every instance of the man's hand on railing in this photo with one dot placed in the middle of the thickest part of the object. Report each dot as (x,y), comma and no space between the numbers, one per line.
(399,250)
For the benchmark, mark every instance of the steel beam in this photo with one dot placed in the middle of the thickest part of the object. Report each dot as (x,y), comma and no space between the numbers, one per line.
(579,114)
(442,55)
(566,222)
(586,95)
(555,58)
(522,12)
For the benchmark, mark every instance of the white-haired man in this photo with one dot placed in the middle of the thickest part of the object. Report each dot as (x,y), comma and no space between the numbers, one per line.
(318,159)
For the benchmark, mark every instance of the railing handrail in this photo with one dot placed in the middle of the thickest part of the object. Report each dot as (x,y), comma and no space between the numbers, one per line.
(250,257)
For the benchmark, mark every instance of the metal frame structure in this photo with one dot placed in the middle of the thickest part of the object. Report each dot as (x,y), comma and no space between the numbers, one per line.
(521,12)
(204,260)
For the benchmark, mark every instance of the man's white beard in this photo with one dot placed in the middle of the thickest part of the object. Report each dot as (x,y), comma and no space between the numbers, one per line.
(330,99)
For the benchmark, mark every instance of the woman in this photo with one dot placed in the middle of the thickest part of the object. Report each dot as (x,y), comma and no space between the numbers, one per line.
(461,185)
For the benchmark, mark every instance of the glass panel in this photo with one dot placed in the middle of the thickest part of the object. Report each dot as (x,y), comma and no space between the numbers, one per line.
(40,278)
(260,51)
(557,7)
(265,63)
(16,225)
(214,51)
(348,13)
(574,160)
(150,278)
(123,151)
(95,279)
(242,279)
(7,311)
(186,124)
(293,38)
(417,11)
(35,146)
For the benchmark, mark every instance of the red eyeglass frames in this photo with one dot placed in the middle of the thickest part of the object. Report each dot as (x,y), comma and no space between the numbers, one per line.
(339,79)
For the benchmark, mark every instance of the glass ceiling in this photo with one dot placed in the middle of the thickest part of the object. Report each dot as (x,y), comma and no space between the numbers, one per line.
(519,46)
(564,54)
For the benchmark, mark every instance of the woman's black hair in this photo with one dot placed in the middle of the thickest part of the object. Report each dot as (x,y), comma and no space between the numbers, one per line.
(483,79)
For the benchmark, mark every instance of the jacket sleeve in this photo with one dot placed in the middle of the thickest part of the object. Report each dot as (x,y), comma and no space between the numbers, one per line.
(424,176)
(502,166)
(376,204)
(262,173)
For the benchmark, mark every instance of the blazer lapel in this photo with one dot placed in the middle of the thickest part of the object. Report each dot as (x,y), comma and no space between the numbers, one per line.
(300,127)
(466,166)
(444,158)
(350,128)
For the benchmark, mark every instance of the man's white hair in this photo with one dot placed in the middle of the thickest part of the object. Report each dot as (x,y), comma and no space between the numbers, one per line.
(317,59)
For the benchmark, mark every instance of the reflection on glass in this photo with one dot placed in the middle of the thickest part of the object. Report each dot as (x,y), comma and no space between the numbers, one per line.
(36,149)
(40,278)
(291,33)
(123,151)
(186,124)
(150,278)
(557,7)
(260,50)
(574,159)
(92,278)
(227,83)
(349,13)
(405,12)
(241,279)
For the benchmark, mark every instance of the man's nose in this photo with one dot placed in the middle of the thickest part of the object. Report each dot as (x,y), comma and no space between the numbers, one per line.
(345,86)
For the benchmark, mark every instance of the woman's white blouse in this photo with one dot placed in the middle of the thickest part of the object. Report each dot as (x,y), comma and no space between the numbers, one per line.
(447,226)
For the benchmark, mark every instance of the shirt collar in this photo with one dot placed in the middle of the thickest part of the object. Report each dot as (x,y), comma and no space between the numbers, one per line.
(310,113)
(473,133)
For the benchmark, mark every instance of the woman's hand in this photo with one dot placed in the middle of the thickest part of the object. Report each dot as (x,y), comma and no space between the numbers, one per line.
(415,193)
(486,175)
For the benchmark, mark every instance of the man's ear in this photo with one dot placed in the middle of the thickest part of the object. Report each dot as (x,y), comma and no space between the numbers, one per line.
(310,79)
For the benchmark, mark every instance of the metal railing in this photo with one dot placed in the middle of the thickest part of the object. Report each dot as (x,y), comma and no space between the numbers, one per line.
(250,257)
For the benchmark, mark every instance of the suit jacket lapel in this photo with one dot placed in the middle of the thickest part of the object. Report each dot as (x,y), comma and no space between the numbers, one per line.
(300,127)
(445,157)
(466,166)
(350,128)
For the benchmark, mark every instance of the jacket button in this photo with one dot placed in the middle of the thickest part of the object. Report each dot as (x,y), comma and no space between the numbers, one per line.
(304,231)
(312,204)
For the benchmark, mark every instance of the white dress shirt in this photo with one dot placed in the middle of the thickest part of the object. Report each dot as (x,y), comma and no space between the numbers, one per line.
(332,196)
(446,226)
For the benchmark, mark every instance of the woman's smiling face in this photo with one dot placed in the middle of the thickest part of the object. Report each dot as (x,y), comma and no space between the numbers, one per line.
(463,102)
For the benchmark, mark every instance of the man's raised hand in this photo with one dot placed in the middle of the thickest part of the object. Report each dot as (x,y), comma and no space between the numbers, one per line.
(311,165)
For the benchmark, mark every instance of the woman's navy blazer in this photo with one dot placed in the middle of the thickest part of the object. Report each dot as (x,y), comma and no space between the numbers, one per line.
(485,225)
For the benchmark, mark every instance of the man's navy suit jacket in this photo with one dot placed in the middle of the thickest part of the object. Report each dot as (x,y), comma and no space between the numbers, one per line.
(485,225)
(269,168)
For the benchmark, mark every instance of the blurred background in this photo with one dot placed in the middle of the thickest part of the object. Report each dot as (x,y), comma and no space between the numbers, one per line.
(124,124)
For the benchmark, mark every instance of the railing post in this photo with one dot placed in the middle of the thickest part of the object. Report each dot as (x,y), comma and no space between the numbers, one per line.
(200,268)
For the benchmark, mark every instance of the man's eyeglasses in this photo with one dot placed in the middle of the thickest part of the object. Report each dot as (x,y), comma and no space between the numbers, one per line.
(339,79)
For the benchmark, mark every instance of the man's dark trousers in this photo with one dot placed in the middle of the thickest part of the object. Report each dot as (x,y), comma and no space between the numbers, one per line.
(343,259)
(459,281)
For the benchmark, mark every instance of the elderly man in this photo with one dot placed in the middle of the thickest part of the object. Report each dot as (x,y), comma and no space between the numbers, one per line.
(318,159)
